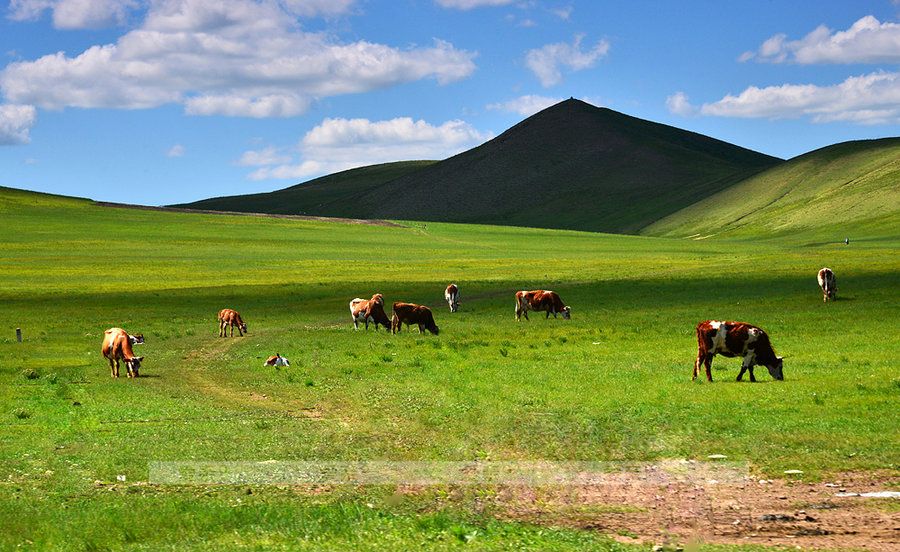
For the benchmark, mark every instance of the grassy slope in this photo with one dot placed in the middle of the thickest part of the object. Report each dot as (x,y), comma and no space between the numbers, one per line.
(571,166)
(850,189)
(328,196)
(611,384)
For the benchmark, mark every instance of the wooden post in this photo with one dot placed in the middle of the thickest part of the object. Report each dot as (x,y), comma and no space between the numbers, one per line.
(19,335)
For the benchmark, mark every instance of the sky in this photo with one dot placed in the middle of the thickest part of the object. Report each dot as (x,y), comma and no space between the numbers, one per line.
(164,101)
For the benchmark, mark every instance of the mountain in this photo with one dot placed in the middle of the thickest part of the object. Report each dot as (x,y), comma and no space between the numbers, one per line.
(572,165)
(841,190)
(327,196)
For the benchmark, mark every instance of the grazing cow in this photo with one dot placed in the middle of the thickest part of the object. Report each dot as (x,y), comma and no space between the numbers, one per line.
(451,295)
(411,313)
(540,300)
(117,346)
(362,310)
(733,339)
(828,284)
(276,360)
(229,317)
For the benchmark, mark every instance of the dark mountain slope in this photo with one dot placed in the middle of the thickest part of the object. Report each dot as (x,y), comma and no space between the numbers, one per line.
(572,165)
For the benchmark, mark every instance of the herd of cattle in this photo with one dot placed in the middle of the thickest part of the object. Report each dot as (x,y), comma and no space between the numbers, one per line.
(714,337)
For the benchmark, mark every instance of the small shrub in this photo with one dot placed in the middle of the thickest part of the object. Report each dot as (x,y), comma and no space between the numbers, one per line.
(31,374)
(503,352)
(22,414)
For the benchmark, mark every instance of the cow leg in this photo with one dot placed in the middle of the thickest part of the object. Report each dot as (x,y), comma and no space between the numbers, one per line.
(752,377)
(112,368)
(116,369)
(221,328)
(741,373)
(708,362)
(240,332)
(367,324)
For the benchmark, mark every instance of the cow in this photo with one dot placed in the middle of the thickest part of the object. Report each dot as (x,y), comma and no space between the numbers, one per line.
(276,360)
(733,339)
(451,295)
(411,313)
(540,300)
(117,346)
(229,317)
(362,310)
(828,284)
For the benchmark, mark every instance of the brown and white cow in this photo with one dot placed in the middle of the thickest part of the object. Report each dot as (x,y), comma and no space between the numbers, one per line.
(362,310)
(276,360)
(451,295)
(230,317)
(540,300)
(828,284)
(736,339)
(411,313)
(117,346)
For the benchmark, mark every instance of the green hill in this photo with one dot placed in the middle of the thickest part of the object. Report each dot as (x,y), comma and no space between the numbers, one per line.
(571,166)
(327,196)
(847,189)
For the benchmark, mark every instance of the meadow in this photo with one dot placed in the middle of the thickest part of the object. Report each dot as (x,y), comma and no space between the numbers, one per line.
(612,384)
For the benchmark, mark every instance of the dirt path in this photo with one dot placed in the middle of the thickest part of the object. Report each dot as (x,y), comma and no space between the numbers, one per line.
(637,509)
(368,222)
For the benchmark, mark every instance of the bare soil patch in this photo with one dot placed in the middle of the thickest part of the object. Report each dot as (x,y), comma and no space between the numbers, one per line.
(639,509)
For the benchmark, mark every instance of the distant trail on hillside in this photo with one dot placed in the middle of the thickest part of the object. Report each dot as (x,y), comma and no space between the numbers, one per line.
(368,222)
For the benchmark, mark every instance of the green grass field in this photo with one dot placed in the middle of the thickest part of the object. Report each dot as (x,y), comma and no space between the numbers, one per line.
(611,384)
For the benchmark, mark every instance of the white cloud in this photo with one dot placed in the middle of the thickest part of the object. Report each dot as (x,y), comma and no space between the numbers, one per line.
(471,4)
(545,62)
(563,13)
(866,99)
(75,14)
(525,105)
(15,123)
(678,104)
(340,144)
(312,8)
(176,151)
(263,157)
(866,41)
(228,57)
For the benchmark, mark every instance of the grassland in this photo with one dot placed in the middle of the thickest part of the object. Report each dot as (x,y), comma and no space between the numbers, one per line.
(611,384)
(850,189)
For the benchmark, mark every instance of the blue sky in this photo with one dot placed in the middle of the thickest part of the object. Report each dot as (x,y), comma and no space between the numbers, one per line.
(165,101)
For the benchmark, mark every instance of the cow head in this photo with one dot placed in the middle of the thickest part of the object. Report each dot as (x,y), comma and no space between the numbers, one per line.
(134,365)
(775,369)
(244,327)
(567,312)
(378,298)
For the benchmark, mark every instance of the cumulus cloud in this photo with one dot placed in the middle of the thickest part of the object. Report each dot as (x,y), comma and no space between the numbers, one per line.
(340,144)
(679,104)
(471,4)
(525,105)
(866,41)
(75,14)
(545,62)
(15,123)
(227,57)
(865,99)
(263,157)
(176,151)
